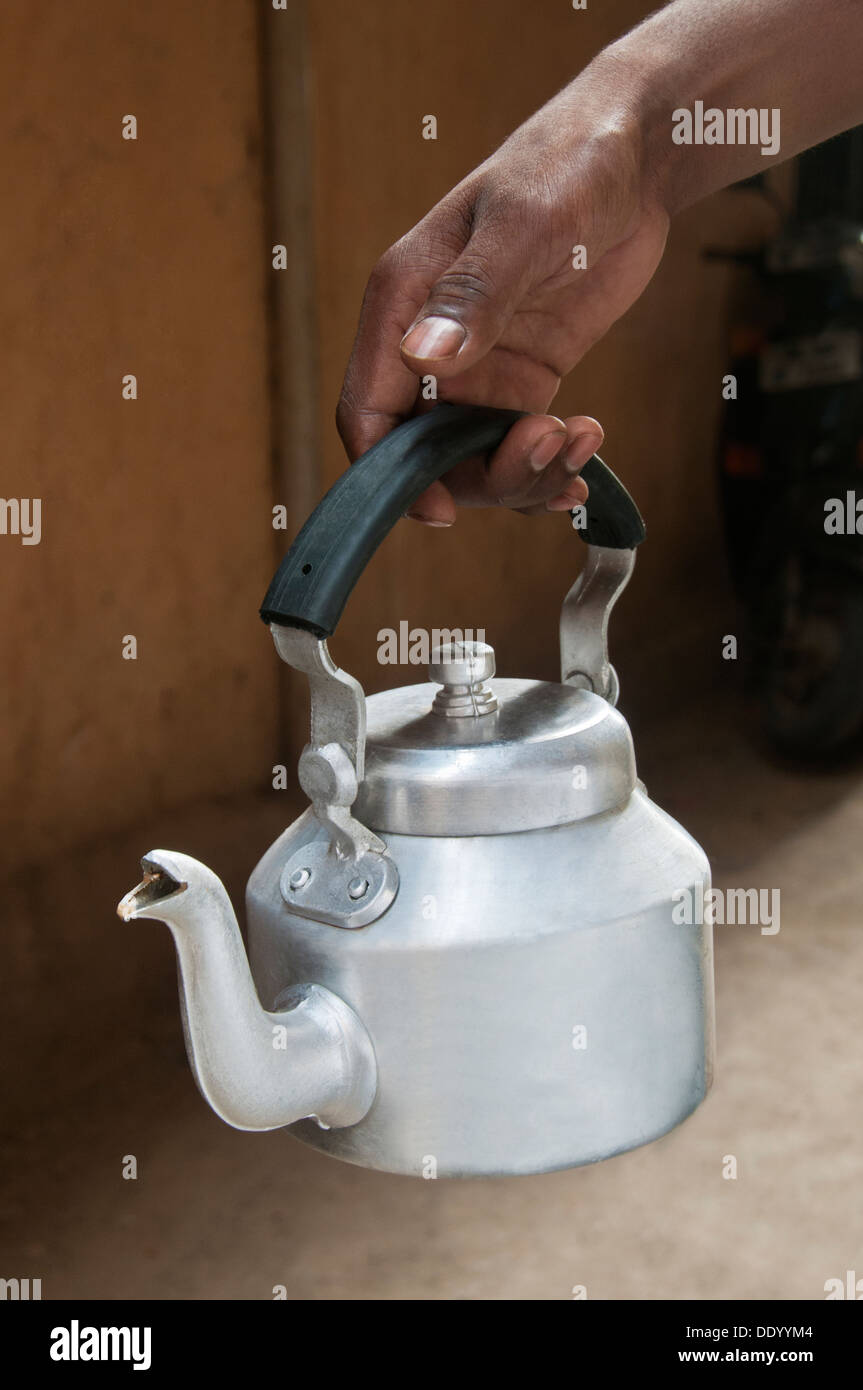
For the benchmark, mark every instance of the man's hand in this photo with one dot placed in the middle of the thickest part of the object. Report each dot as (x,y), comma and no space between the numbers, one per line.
(483,295)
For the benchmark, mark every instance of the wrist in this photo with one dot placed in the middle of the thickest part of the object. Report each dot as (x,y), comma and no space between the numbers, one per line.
(641,110)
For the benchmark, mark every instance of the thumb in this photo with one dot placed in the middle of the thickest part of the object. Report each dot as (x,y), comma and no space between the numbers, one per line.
(466,311)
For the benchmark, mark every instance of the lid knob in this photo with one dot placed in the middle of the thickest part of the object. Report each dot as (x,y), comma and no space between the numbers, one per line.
(461,668)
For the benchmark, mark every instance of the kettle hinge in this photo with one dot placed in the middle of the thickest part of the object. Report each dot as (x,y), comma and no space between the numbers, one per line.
(353,878)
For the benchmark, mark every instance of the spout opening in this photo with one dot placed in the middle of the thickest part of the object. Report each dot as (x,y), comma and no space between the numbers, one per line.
(156,886)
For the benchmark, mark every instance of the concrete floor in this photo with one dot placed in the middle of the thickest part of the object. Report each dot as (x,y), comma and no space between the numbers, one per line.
(95,1070)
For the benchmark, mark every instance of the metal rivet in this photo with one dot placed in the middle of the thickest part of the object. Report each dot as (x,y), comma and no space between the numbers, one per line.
(299,878)
(358,887)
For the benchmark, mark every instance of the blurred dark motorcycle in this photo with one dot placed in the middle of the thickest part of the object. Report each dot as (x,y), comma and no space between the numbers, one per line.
(791,458)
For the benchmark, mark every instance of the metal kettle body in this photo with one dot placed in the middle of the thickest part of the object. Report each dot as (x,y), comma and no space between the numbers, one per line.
(481,892)
(531,1002)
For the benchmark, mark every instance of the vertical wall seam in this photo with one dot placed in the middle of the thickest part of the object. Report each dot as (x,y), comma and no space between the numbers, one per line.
(292,338)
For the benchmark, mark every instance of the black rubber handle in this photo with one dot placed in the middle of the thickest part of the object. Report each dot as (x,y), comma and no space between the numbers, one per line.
(314,581)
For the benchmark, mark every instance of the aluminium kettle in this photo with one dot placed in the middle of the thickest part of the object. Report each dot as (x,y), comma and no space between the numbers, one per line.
(463,958)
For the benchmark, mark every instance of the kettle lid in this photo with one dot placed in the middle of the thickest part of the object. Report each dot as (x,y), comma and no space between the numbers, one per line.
(474,759)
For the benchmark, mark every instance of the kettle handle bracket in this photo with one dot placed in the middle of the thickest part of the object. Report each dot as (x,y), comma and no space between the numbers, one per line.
(332,764)
(584,619)
(338,702)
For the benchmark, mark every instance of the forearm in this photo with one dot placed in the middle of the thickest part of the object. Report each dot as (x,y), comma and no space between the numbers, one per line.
(802,58)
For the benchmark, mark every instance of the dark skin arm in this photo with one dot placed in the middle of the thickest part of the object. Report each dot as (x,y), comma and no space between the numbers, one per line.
(482,293)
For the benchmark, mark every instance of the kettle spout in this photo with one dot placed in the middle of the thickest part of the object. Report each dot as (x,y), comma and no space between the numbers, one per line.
(258,1070)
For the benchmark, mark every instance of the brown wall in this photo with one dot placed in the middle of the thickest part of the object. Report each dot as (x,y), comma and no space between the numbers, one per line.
(144,257)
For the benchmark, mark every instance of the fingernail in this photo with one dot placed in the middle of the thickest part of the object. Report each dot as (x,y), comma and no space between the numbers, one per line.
(427,521)
(433,339)
(578,451)
(575,496)
(545,449)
